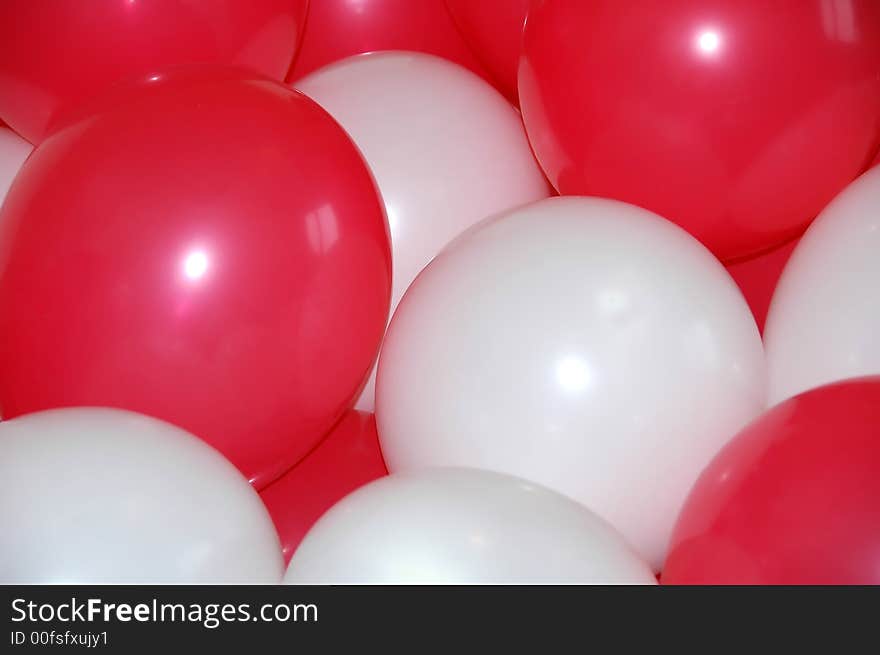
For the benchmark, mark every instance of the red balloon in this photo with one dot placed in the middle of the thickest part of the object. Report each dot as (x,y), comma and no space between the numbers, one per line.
(737,119)
(793,499)
(493,29)
(207,247)
(347,459)
(337,29)
(52,56)
(757,278)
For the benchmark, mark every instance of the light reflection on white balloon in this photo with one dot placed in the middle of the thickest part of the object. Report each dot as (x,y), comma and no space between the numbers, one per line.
(573,374)
(625,360)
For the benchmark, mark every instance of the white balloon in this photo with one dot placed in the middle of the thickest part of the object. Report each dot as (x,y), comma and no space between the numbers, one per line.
(582,343)
(462,526)
(91,496)
(13,151)
(446,150)
(824,320)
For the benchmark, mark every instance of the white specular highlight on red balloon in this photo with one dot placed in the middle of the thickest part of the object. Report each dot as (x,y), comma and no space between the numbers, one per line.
(708,41)
(195,265)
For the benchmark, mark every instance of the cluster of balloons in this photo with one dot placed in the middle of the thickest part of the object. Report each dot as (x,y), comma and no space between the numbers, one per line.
(414,291)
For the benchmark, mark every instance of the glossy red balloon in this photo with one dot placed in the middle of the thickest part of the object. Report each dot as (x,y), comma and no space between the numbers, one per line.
(337,29)
(757,276)
(348,458)
(793,499)
(737,119)
(54,55)
(493,29)
(208,248)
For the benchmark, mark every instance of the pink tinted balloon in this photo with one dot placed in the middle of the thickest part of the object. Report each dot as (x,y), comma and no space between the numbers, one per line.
(208,248)
(337,29)
(349,457)
(757,278)
(493,29)
(55,54)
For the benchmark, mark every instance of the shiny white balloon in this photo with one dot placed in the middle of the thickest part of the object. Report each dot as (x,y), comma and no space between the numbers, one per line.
(824,321)
(462,526)
(583,343)
(446,149)
(13,151)
(91,496)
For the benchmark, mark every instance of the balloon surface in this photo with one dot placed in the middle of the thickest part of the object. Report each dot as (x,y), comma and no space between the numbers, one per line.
(208,248)
(493,29)
(345,460)
(462,526)
(824,320)
(104,496)
(792,499)
(53,58)
(13,152)
(582,343)
(337,29)
(757,277)
(702,111)
(444,146)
